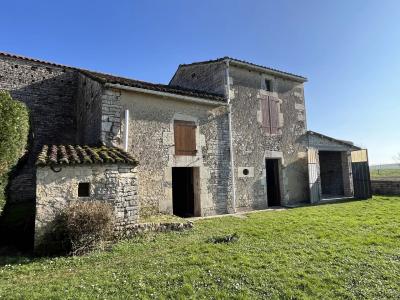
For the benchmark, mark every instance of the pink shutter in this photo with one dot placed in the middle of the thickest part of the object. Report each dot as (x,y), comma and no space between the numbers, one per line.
(274,114)
(265,115)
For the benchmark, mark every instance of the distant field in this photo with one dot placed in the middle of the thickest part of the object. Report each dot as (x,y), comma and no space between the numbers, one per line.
(385,173)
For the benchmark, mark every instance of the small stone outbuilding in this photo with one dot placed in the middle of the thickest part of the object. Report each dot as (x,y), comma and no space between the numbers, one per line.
(70,173)
(336,169)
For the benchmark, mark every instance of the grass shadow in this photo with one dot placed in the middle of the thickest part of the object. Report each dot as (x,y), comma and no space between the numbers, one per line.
(330,202)
(17,223)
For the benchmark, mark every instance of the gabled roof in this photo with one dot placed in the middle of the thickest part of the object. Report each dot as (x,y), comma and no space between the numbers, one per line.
(108,78)
(342,142)
(250,65)
(78,155)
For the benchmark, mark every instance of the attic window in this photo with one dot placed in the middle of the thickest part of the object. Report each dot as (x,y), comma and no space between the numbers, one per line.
(268,85)
(83,189)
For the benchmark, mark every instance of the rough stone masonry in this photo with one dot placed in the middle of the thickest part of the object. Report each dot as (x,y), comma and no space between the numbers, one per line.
(64,172)
(225,99)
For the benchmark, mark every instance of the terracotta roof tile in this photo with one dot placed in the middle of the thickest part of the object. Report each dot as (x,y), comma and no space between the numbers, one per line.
(75,155)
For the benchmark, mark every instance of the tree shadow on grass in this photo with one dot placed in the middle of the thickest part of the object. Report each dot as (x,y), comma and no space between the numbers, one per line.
(17,223)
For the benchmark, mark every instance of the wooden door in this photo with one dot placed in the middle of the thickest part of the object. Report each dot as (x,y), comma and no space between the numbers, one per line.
(361,175)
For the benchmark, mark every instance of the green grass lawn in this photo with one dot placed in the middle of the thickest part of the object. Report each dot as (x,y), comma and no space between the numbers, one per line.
(349,250)
(385,173)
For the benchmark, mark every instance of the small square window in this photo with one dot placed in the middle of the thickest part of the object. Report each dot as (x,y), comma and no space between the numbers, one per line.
(83,189)
(268,85)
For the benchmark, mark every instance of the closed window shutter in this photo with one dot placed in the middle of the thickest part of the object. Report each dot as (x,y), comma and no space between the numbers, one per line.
(265,115)
(185,138)
(270,114)
(274,114)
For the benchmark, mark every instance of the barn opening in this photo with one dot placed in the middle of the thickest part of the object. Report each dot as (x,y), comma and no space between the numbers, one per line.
(185,192)
(273,188)
(331,173)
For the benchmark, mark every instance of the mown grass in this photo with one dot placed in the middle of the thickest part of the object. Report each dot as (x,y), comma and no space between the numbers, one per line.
(385,173)
(161,218)
(347,250)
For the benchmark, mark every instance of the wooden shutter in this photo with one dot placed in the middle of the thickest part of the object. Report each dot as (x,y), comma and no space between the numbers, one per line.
(185,138)
(265,114)
(270,114)
(274,114)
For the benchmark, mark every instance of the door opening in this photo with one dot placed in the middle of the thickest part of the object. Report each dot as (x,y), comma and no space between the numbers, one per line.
(273,188)
(331,172)
(185,192)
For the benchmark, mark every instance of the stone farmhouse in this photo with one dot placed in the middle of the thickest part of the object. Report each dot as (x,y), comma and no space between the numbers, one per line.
(223,136)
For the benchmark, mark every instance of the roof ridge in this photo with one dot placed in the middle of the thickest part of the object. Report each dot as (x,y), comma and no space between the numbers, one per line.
(35,60)
(96,75)
(247,63)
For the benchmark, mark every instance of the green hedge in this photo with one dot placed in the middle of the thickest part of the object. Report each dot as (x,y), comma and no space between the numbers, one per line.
(14,129)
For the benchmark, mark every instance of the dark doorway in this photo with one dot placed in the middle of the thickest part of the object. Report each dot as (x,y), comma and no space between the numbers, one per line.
(273,189)
(185,199)
(330,164)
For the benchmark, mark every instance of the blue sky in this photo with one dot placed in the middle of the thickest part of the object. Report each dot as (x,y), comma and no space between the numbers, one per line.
(349,50)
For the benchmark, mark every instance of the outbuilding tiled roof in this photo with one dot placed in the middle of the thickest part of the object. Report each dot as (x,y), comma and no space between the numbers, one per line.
(75,155)
(107,78)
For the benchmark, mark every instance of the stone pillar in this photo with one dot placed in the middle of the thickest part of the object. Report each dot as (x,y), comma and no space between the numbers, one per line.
(111,118)
(347,174)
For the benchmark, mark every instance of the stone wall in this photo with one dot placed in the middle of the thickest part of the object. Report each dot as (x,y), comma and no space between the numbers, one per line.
(89,110)
(113,183)
(151,138)
(205,77)
(347,172)
(385,187)
(111,113)
(49,92)
(324,143)
(253,145)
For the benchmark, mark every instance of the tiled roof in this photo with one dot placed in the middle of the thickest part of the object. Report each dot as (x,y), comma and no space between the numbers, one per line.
(103,78)
(107,78)
(75,155)
(300,78)
(34,60)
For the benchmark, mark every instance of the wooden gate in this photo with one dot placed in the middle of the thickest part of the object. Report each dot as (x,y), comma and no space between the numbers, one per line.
(361,176)
(313,176)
